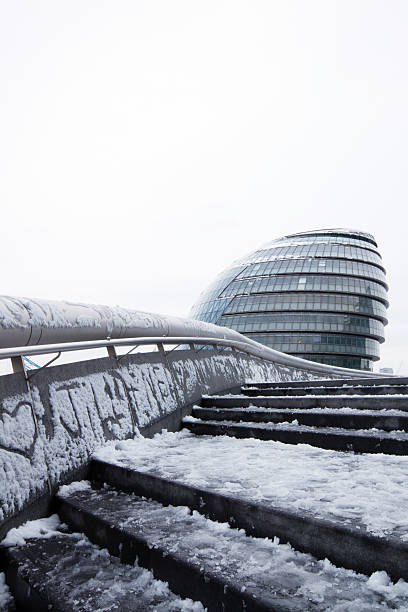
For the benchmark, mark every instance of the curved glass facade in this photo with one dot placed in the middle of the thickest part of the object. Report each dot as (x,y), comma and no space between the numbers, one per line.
(307,282)
(283,322)
(321,295)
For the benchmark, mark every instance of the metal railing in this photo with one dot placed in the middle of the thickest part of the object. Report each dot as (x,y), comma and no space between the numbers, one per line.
(37,327)
(247,346)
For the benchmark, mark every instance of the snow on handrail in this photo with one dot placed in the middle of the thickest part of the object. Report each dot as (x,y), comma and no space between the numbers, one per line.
(34,327)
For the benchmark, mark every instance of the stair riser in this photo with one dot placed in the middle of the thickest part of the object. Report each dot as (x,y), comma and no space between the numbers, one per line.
(184,579)
(344,547)
(358,444)
(375,403)
(326,391)
(345,421)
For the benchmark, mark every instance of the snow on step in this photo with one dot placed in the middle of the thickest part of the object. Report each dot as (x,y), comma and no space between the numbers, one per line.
(393,381)
(366,491)
(75,574)
(275,574)
(361,441)
(376,397)
(348,418)
(369,402)
(294,426)
(348,390)
(317,410)
(6,598)
(327,410)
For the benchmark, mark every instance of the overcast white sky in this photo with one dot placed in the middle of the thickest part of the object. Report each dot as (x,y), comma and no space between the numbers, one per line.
(144,145)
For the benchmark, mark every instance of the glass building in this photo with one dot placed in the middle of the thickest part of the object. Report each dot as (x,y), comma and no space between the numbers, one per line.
(320,295)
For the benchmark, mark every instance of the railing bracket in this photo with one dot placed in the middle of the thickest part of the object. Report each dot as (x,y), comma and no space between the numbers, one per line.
(128,353)
(31,373)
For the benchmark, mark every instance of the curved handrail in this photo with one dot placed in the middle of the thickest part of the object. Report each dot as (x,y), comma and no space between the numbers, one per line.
(34,327)
(250,347)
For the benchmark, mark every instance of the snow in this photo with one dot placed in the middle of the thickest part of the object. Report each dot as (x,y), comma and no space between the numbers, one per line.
(6,598)
(22,463)
(22,312)
(366,491)
(316,409)
(89,579)
(265,568)
(74,487)
(43,528)
(385,398)
(380,582)
(309,385)
(190,419)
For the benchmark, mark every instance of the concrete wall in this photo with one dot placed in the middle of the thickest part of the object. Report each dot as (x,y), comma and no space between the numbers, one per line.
(51,426)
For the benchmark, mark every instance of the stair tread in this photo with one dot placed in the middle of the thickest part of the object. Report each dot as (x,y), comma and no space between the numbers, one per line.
(323,386)
(346,410)
(301,391)
(364,491)
(287,426)
(372,402)
(71,573)
(273,573)
(306,386)
(311,396)
(346,382)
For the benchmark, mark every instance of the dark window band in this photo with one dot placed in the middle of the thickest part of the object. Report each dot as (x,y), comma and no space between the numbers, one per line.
(300,321)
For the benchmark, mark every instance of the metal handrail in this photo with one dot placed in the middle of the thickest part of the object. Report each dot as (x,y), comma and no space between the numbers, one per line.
(38,327)
(247,346)
(46,349)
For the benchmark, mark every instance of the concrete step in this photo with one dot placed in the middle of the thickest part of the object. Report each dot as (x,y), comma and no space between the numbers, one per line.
(346,545)
(67,572)
(351,382)
(324,417)
(167,540)
(366,402)
(201,559)
(295,391)
(361,441)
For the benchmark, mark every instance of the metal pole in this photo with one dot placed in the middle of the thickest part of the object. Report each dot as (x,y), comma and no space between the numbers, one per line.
(17,363)
(111,351)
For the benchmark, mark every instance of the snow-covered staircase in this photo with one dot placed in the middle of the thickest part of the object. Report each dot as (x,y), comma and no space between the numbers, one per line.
(181,534)
(180,510)
(363,416)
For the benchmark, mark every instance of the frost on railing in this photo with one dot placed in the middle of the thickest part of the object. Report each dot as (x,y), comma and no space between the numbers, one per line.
(26,321)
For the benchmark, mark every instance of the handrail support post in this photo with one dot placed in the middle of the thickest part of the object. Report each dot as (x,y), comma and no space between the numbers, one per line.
(111,351)
(17,363)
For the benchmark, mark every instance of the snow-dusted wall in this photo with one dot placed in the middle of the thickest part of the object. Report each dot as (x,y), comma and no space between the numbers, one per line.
(49,429)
